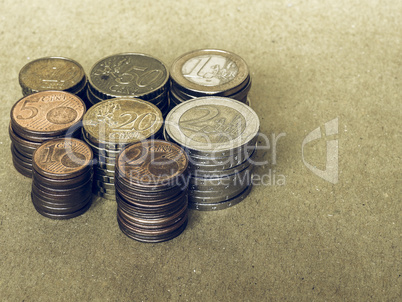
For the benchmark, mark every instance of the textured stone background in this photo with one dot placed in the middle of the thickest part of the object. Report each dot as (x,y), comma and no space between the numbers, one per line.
(311,62)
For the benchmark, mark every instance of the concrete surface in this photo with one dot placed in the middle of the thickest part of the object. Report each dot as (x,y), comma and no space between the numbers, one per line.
(298,238)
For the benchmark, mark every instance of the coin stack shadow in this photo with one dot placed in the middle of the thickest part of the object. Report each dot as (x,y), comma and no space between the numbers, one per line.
(54,73)
(151,191)
(221,149)
(209,72)
(62,178)
(109,126)
(39,117)
(130,75)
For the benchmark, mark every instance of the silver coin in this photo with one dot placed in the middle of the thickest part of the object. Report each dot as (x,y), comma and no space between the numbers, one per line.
(220,164)
(239,95)
(220,205)
(216,195)
(212,126)
(201,199)
(234,179)
(238,170)
(209,72)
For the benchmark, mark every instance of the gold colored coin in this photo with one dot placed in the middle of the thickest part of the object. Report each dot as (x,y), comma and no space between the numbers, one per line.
(51,73)
(121,121)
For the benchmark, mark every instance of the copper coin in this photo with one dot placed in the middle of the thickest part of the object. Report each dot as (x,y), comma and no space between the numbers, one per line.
(63,158)
(71,197)
(38,201)
(46,114)
(65,216)
(20,168)
(27,145)
(152,163)
(68,183)
(62,191)
(26,161)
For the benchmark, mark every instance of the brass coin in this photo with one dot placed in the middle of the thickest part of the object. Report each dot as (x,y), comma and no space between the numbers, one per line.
(128,74)
(47,113)
(62,158)
(52,73)
(152,163)
(121,121)
(209,72)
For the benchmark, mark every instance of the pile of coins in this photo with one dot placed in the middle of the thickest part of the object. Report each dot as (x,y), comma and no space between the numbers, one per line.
(151,190)
(53,73)
(62,178)
(130,75)
(209,72)
(219,135)
(39,117)
(109,126)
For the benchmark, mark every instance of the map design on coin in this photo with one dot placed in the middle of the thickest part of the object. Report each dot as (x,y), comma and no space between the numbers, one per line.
(210,70)
(128,75)
(212,124)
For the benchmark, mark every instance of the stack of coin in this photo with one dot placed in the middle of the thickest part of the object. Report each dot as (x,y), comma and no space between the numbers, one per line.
(209,72)
(151,190)
(109,126)
(53,73)
(219,135)
(39,117)
(130,75)
(62,178)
